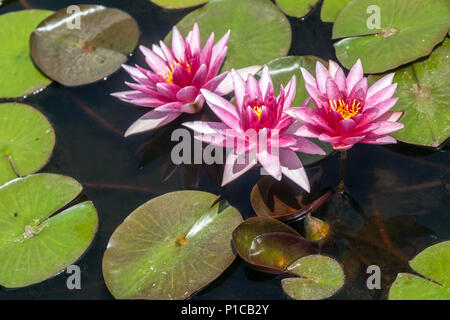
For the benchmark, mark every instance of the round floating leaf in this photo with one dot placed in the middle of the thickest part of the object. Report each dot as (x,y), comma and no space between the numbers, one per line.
(319,278)
(331,8)
(170,247)
(178,4)
(281,70)
(296,8)
(18,75)
(425,99)
(36,243)
(26,141)
(92,50)
(409,29)
(433,264)
(259,31)
(278,250)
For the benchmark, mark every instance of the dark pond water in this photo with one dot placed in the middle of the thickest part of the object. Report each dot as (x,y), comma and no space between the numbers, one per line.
(399,194)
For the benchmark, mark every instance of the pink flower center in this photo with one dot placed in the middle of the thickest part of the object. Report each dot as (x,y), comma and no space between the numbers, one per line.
(345,110)
(168,76)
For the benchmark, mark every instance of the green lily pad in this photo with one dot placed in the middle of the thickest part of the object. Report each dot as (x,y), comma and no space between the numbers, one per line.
(433,264)
(170,247)
(296,8)
(319,278)
(331,8)
(18,75)
(178,4)
(259,31)
(281,71)
(36,243)
(254,233)
(408,30)
(76,55)
(425,99)
(27,140)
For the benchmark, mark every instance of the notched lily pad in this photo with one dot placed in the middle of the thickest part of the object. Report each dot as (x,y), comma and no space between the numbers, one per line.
(37,241)
(408,30)
(269,244)
(283,201)
(170,247)
(259,31)
(178,4)
(26,141)
(433,264)
(331,8)
(281,71)
(319,278)
(18,75)
(425,99)
(296,8)
(80,54)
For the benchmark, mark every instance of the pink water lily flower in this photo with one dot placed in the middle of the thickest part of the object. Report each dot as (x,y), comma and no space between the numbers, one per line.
(173,84)
(347,110)
(256,130)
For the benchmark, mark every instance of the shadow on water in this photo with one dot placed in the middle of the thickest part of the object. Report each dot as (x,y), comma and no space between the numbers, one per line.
(397,202)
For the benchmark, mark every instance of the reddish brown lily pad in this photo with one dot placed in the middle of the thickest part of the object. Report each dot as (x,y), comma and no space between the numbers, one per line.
(269,243)
(76,47)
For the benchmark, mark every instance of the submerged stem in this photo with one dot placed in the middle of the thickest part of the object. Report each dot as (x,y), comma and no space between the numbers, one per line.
(342,167)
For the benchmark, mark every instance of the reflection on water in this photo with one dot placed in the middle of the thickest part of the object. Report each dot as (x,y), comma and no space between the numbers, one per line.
(397,201)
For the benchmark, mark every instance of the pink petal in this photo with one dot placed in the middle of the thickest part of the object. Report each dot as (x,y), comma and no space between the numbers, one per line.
(333,68)
(239,88)
(265,82)
(167,53)
(384,106)
(299,144)
(205,57)
(355,75)
(291,89)
(252,88)
(226,86)
(220,46)
(391,116)
(346,126)
(292,167)
(216,64)
(270,161)
(380,85)
(153,60)
(215,83)
(359,91)
(150,121)
(382,95)
(187,94)
(200,76)
(222,108)
(195,42)
(332,90)
(168,90)
(308,78)
(322,75)
(308,132)
(387,127)
(379,140)
(237,165)
(178,45)
(137,75)
(340,80)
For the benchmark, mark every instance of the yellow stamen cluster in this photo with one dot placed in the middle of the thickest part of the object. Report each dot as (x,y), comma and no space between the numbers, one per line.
(168,77)
(344,109)
(258,111)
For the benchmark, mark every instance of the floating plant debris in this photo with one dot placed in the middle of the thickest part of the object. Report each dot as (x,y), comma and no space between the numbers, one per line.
(178,4)
(170,247)
(30,228)
(417,25)
(26,141)
(259,31)
(83,46)
(18,75)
